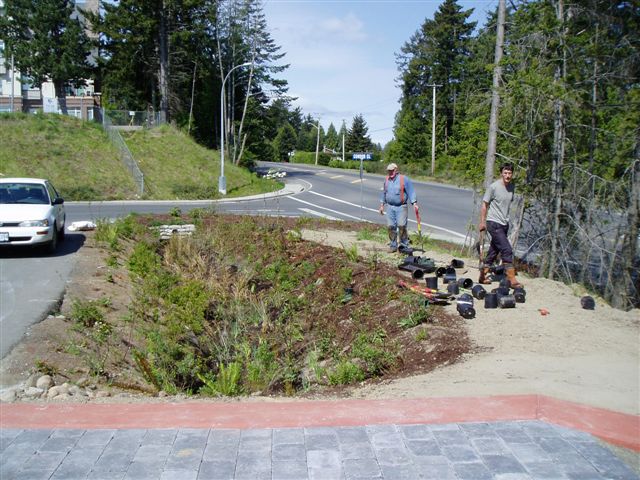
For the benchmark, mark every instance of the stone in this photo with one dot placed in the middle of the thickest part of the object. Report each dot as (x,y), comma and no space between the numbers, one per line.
(102,394)
(31,381)
(44,382)
(33,392)
(9,396)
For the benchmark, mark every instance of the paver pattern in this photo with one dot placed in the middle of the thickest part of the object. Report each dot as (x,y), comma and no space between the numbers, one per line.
(512,450)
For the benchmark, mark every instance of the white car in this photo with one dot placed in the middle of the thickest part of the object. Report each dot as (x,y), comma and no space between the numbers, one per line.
(31,213)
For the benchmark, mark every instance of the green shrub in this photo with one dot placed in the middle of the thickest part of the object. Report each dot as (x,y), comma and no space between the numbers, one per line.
(143,260)
(346,373)
(87,313)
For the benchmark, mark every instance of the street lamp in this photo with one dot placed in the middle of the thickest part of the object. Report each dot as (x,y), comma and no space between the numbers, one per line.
(222,182)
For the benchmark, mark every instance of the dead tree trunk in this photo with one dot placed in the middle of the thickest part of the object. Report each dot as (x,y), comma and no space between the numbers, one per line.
(163,73)
(559,140)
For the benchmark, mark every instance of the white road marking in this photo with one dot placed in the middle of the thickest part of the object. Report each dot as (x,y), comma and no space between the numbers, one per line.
(327,209)
(374,210)
(358,181)
(319,214)
(336,176)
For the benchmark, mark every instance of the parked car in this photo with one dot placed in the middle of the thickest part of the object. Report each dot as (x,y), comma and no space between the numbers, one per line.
(31,213)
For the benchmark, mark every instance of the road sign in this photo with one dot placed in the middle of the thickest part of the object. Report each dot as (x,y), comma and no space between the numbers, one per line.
(362,156)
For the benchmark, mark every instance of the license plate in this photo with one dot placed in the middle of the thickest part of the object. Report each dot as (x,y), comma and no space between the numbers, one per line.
(4,237)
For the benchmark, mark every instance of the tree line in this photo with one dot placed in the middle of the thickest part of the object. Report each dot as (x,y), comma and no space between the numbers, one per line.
(568,109)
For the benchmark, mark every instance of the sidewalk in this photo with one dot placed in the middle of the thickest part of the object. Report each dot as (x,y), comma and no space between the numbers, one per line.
(506,438)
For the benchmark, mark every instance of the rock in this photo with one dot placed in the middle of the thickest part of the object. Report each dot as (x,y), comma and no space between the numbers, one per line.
(76,391)
(102,394)
(31,381)
(83,382)
(9,396)
(61,397)
(33,392)
(44,382)
(162,394)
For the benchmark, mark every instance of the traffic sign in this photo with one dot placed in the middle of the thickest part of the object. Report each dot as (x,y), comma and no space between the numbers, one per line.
(362,156)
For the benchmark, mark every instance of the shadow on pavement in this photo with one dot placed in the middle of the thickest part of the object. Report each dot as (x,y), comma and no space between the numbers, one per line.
(71,244)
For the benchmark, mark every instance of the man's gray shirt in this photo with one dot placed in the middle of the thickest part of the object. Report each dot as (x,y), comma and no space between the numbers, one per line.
(499,199)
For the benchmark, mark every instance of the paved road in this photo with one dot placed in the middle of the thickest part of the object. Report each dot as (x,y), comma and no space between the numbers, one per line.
(527,450)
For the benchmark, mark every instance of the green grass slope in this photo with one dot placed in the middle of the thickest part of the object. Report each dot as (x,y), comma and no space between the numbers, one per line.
(76,156)
(176,167)
(83,165)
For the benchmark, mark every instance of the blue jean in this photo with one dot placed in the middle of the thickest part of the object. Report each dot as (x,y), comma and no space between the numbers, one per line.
(397,219)
(499,244)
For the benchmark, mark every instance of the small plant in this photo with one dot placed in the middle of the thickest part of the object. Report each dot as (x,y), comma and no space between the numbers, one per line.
(346,373)
(346,275)
(422,335)
(45,368)
(417,317)
(86,313)
(175,212)
(227,382)
(351,252)
(112,261)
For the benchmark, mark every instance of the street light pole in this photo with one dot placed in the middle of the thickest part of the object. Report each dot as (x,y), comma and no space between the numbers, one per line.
(222,181)
(317,141)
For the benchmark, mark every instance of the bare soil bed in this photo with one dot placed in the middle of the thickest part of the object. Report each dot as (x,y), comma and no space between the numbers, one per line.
(586,356)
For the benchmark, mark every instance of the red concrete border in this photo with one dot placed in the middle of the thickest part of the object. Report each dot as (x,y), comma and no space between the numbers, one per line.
(617,428)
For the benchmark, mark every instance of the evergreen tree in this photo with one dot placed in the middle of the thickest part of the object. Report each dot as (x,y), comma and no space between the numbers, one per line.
(435,55)
(331,139)
(284,143)
(357,139)
(47,43)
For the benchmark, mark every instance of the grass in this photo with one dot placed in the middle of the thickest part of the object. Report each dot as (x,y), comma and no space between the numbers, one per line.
(83,165)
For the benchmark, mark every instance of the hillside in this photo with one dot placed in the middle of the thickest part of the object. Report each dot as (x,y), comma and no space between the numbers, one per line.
(79,159)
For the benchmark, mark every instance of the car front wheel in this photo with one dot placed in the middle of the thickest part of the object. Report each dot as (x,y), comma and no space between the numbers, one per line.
(53,244)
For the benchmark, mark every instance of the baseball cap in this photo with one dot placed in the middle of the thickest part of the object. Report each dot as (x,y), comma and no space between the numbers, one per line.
(392,166)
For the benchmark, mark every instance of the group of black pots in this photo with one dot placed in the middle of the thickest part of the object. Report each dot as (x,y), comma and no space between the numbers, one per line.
(502,296)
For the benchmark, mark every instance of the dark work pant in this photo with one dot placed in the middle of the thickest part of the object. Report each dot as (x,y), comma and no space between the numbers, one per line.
(499,244)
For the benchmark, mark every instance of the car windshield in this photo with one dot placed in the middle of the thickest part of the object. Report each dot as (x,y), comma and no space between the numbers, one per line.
(27,193)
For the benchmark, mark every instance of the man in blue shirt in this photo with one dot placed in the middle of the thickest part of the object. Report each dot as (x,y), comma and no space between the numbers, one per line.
(397,191)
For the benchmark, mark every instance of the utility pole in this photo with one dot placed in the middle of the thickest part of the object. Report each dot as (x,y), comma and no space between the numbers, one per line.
(343,130)
(433,130)
(317,141)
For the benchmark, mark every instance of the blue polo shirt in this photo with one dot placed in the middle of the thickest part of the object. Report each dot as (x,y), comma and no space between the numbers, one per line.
(392,195)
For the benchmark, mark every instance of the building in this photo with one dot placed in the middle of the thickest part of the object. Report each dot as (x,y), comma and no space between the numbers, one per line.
(18,95)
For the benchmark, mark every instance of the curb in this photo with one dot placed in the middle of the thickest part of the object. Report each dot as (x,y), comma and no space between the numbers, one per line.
(616,428)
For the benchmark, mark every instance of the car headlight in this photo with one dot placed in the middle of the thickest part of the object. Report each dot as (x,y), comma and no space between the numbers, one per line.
(34,223)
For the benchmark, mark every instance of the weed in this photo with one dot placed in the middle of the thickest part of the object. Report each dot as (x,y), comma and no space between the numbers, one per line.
(45,368)
(175,212)
(371,347)
(227,382)
(416,317)
(346,373)
(346,275)
(112,261)
(422,335)
(351,252)
(86,313)
(143,260)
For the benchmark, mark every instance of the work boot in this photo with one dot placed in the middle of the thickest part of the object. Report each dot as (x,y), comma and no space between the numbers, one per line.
(484,276)
(393,237)
(511,276)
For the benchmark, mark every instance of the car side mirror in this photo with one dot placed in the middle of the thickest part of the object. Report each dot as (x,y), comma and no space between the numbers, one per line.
(58,201)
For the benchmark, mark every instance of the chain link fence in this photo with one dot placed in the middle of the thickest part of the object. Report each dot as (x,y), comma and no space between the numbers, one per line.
(125,154)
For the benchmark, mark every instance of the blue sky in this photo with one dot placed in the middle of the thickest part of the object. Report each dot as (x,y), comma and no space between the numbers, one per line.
(342,54)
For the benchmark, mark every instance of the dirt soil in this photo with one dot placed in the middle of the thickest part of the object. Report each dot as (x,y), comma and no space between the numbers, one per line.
(586,356)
